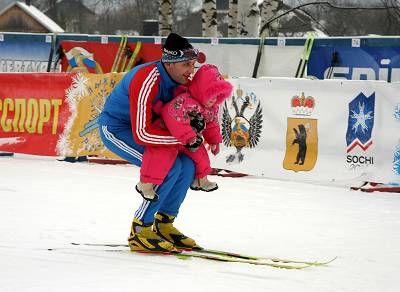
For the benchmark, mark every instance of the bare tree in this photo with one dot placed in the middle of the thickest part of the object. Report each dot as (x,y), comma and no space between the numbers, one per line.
(248,18)
(209,18)
(354,18)
(269,10)
(232,18)
(392,19)
(164,17)
(125,16)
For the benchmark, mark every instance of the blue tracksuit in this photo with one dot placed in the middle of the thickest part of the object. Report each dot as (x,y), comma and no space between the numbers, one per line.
(126,128)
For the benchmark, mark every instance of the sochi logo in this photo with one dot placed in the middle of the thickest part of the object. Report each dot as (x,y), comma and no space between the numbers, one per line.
(360,122)
(359,128)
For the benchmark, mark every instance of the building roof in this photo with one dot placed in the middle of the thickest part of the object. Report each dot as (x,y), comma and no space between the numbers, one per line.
(69,5)
(35,13)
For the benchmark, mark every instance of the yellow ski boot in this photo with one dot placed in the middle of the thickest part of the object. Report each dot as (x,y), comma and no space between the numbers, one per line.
(144,239)
(163,226)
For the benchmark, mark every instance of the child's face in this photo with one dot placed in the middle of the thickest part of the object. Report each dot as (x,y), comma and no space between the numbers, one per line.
(211,101)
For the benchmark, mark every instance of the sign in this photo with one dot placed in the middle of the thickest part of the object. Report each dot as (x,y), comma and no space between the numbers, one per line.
(355,63)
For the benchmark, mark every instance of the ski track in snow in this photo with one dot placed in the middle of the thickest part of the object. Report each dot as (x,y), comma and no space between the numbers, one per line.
(47,204)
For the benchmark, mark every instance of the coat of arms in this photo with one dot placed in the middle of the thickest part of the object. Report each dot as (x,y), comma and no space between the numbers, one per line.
(242,128)
(301,136)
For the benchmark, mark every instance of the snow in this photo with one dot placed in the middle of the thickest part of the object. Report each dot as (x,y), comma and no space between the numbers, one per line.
(47,204)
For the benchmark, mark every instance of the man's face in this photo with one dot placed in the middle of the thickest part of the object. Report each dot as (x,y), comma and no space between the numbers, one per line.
(181,72)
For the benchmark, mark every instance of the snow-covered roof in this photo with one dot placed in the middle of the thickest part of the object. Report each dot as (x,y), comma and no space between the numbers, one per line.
(39,16)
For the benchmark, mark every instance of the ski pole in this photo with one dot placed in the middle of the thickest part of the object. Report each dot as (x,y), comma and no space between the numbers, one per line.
(334,62)
(52,49)
(259,54)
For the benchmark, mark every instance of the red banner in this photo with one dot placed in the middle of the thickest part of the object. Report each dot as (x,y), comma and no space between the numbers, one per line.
(98,58)
(33,111)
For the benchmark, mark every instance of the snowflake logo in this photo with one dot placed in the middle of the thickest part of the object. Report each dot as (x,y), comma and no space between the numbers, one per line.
(361,118)
(78,88)
(79,82)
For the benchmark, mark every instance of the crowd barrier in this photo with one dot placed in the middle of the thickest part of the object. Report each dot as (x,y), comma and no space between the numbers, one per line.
(285,128)
(357,58)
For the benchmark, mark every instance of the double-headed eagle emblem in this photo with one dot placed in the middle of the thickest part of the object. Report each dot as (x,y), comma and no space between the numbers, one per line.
(239,131)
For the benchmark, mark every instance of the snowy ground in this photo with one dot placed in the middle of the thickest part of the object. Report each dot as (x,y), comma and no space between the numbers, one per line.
(49,204)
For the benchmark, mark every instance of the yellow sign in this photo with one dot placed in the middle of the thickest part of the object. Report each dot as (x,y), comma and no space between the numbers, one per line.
(301,144)
(86,98)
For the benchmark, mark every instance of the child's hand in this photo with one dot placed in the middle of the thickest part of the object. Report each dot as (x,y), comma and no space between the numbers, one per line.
(193,146)
(215,149)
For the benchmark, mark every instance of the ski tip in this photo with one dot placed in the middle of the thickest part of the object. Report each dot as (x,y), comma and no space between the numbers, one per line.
(317,263)
(331,260)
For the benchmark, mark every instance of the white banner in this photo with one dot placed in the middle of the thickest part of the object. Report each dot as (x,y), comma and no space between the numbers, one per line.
(237,60)
(312,130)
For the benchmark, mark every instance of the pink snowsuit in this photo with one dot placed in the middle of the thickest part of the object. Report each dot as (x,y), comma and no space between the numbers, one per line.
(206,84)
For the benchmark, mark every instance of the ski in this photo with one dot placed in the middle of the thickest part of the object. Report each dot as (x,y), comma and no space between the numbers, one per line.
(224,258)
(273,259)
(134,56)
(121,48)
(185,255)
(305,55)
(127,54)
(204,252)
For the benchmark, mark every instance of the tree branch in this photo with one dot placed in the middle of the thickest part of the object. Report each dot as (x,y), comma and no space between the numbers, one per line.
(323,3)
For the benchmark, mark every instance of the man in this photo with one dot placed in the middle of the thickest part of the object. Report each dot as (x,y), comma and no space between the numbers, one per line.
(126,128)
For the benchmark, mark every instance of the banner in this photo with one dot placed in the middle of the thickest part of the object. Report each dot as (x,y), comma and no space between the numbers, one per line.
(24,55)
(307,130)
(33,112)
(53,114)
(85,97)
(94,57)
(355,63)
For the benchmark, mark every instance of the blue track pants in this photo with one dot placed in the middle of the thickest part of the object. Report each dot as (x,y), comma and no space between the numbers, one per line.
(171,192)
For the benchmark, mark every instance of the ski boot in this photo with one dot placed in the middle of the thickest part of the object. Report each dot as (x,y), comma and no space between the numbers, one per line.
(144,239)
(164,228)
(203,184)
(146,190)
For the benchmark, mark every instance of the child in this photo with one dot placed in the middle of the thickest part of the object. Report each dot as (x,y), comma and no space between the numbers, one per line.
(191,117)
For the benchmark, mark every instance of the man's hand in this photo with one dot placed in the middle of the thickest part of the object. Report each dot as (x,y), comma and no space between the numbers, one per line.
(214,149)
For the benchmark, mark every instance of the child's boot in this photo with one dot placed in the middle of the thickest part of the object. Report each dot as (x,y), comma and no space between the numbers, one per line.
(147,191)
(203,184)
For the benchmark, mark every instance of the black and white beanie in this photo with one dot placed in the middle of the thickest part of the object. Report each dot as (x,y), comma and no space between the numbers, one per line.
(178,49)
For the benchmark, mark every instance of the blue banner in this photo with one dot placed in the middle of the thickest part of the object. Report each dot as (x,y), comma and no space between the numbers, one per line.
(24,54)
(355,63)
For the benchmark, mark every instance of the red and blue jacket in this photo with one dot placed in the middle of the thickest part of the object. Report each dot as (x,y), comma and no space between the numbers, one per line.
(131,102)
